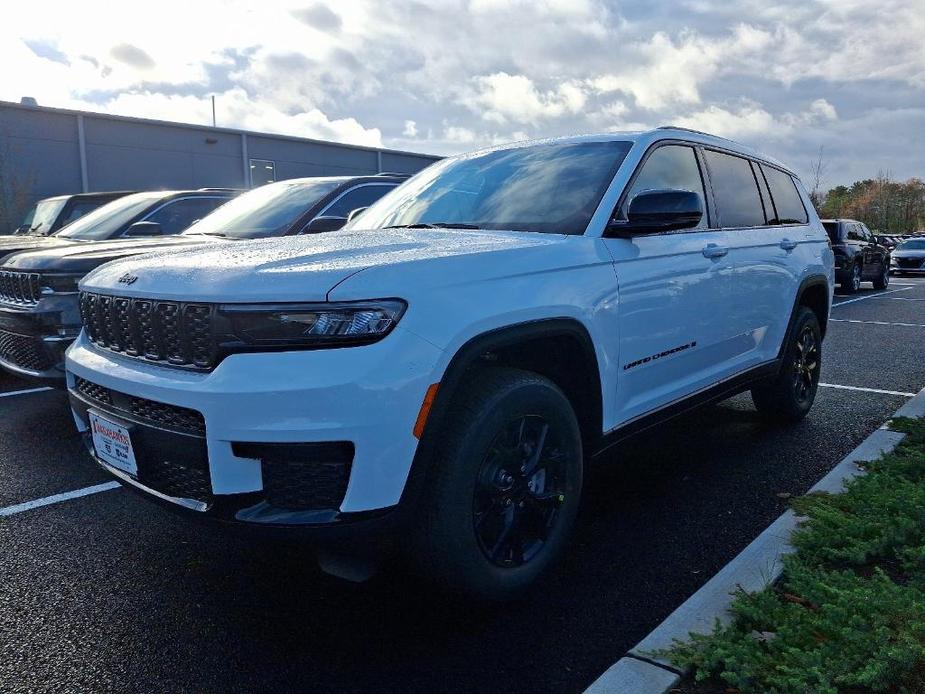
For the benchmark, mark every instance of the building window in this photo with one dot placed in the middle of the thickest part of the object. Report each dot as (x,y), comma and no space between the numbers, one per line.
(262,171)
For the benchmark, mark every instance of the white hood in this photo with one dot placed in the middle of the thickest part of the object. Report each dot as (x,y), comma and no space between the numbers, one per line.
(300,268)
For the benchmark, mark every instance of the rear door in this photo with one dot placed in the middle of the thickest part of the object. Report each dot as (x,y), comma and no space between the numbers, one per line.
(670,287)
(759,282)
(856,243)
(874,253)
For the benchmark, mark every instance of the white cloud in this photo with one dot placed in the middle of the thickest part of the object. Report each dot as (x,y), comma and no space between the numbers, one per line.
(236,110)
(502,98)
(411,129)
(750,120)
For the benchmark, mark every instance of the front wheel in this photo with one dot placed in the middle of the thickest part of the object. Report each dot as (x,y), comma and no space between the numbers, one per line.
(505,486)
(883,281)
(852,284)
(790,395)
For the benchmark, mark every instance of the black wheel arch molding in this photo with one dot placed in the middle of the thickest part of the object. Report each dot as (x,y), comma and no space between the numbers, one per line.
(488,349)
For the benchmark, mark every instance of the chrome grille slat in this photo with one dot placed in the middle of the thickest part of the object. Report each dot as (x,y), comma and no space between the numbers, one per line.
(168,332)
(20,288)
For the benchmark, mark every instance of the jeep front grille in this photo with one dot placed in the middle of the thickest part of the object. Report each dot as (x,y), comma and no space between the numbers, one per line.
(170,332)
(20,288)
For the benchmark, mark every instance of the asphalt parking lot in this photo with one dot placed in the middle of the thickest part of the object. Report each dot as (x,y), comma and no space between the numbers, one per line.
(107,593)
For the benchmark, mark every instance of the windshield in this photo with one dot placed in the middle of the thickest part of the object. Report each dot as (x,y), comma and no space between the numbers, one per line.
(42,216)
(549,187)
(912,245)
(266,211)
(107,220)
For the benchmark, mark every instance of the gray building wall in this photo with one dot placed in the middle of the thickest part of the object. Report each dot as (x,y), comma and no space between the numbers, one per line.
(46,151)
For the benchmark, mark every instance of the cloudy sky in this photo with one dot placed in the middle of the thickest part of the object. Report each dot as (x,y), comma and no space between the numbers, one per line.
(788,77)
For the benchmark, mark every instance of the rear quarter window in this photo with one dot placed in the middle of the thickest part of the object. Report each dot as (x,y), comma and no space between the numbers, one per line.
(831,228)
(787,201)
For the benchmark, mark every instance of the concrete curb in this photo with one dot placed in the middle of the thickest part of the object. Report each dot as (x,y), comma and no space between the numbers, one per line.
(755,567)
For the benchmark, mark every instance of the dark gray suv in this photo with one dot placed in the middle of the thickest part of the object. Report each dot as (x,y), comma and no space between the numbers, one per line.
(859,257)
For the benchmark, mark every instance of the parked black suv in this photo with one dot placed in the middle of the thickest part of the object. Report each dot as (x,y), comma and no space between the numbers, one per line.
(39,314)
(137,214)
(858,255)
(49,215)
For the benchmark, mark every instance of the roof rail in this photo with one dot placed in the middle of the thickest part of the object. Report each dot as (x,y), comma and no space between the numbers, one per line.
(690,130)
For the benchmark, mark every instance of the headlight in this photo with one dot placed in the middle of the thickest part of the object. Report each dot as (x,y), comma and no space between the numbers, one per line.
(59,284)
(310,325)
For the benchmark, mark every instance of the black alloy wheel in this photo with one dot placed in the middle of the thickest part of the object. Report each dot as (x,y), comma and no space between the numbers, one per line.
(806,365)
(521,485)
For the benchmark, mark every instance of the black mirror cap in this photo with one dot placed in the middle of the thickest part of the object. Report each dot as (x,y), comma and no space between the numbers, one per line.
(322,224)
(144,229)
(356,213)
(655,211)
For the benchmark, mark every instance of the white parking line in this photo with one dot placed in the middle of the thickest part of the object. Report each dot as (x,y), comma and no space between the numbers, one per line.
(11,393)
(876,322)
(58,498)
(871,296)
(867,390)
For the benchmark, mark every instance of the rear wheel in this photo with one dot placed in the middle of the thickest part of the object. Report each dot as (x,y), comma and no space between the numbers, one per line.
(505,486)
(883,281)
(853,282)
(790,395)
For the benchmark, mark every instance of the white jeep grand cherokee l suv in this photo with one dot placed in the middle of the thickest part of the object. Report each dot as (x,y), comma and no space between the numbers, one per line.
(435,377)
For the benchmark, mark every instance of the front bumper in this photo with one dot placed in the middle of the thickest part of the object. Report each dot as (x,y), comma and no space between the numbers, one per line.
(33,339)
(912,268)
(261,412)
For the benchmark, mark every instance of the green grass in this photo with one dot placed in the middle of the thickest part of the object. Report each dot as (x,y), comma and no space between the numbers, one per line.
(848,614)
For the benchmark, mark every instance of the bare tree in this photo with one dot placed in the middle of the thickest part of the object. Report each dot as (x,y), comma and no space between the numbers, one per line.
(817,171)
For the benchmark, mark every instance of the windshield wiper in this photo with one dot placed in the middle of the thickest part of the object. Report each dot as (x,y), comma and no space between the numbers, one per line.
(207,233)
(434,225)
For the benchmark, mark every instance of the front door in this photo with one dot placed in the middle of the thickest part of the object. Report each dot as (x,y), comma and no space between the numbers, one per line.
(672,289)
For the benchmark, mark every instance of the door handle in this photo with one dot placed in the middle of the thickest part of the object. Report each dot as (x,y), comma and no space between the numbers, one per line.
(711,250)
(788,245)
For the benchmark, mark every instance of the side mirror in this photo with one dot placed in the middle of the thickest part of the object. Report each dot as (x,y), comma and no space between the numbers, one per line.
(356,213)
(144,229)
(322,224)
(655,211)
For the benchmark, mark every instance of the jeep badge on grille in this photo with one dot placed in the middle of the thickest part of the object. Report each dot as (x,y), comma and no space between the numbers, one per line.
(128,278)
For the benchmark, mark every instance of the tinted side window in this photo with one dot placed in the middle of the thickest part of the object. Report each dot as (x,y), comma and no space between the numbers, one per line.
(364,196)
(787,200)
(854,232)
(671,166)
(735,191)
(175,216)
(79,209)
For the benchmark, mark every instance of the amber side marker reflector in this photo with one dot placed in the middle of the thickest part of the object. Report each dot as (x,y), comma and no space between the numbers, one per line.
(429,398)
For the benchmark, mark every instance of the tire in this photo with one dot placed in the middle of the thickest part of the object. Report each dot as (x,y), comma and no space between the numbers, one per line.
(883,281)
(488,530)
(852,284)
(790,395)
